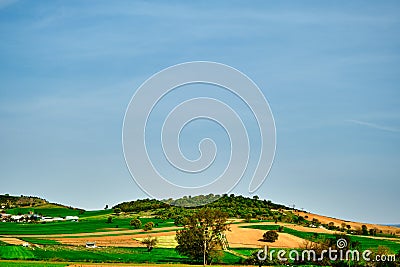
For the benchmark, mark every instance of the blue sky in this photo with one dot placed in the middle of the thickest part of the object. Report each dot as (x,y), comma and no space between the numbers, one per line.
(330,71)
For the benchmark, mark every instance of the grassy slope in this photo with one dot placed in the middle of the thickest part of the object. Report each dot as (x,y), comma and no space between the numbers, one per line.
(92,222)
(81,254)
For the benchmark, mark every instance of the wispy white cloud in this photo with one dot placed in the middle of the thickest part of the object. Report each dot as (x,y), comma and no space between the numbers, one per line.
(375,126)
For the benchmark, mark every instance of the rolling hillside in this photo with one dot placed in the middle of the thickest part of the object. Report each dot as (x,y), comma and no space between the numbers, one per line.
(16,205)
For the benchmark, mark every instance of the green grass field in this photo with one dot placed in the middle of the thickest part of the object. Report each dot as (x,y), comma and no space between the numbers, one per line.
(30,264)
(85,225)
(15,253)
(244,251)
(81,254)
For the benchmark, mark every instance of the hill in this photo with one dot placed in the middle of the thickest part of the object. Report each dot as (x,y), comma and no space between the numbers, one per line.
(25,204)
(234,206)
(9,202)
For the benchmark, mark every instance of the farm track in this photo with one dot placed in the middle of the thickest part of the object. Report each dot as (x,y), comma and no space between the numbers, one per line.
(12,241)
(240,237)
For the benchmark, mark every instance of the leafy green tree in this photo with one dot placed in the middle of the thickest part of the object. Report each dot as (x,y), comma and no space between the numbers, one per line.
(270,236)
(364,229)
(117,211)
(180,220)
(148,226)
(150,243)
(200,239)
(316,222)
(109,219)
(247,217)
(136,223)
(372,231)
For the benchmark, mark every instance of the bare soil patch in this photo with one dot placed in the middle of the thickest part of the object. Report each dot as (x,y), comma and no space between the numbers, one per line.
(12,241)
(250,238)
(354,225)
(131,240)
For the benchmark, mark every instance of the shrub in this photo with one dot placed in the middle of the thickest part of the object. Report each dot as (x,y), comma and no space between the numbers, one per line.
(180,220)
(148,226)
(247,217)
(270,236)
(150,243)
(136,223)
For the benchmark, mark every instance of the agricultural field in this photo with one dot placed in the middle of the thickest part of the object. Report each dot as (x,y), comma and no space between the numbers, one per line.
(365,242)
(87,224)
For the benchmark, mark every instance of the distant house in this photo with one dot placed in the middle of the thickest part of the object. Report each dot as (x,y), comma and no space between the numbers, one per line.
(25,245)
(91,245)
(72,218)
(51,219)
(5,217)
(17,217)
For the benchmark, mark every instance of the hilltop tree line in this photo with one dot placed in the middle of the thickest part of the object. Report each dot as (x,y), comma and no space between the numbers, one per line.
(233,206)
(8,202)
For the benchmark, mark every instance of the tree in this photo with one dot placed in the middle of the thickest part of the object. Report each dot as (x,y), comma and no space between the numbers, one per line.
(117,211)
(109,219)
(150,242)
(148,226)
(247,217)
(270,236)
(200,239)
(180,220)
(364,229)
(136,223)
(372,231)
(106,207)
